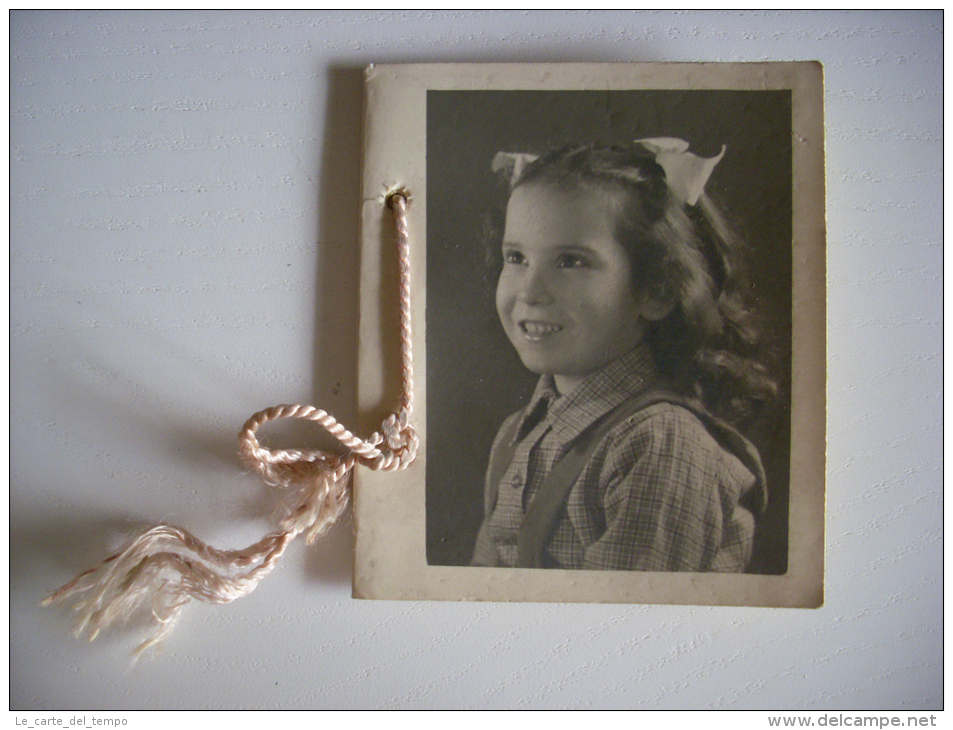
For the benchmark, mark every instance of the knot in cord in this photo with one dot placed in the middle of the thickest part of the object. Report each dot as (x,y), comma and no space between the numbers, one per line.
(400,441)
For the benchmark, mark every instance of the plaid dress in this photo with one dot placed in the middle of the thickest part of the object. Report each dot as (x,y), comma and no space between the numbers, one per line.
(659,493)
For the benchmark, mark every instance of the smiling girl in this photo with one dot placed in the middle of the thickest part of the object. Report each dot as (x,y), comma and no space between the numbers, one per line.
(620,288)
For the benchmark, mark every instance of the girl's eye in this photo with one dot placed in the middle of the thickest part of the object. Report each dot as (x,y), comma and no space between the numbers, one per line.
(513,257)
(571,261)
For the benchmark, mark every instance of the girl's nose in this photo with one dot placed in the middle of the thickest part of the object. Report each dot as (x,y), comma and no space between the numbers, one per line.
(535,287)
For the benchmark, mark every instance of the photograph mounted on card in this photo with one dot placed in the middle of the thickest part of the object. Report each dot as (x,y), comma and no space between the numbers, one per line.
(618,277)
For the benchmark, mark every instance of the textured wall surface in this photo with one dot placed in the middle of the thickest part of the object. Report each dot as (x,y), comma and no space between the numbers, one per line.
(183,223)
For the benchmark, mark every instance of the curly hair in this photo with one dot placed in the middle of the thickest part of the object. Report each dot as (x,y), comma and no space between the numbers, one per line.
(709,344)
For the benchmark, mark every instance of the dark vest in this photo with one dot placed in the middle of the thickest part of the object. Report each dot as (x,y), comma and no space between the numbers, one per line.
(540,519)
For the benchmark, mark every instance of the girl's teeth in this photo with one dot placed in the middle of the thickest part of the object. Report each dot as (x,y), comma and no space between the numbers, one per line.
(534,329)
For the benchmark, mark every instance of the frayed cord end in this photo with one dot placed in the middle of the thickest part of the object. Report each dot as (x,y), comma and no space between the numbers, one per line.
(164,568)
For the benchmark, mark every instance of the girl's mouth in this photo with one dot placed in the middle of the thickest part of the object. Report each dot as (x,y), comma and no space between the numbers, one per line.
(537,331)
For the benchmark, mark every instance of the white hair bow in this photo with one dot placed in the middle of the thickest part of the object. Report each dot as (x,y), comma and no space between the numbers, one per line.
(512,163)
(685,173)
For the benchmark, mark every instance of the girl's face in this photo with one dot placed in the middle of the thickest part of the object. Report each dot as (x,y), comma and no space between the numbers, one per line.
(565,294)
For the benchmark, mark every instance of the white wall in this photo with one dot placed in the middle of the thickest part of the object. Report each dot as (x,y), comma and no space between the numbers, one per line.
(183,225)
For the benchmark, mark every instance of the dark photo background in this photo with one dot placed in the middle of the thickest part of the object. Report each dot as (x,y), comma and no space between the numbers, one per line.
(474,377)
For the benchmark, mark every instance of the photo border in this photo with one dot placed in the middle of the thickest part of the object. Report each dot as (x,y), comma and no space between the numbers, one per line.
(389,507)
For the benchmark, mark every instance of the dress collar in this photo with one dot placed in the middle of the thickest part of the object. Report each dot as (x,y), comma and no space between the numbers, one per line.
(597,394)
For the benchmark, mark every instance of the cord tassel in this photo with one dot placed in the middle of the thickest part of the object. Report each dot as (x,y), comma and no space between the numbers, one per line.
(165,567)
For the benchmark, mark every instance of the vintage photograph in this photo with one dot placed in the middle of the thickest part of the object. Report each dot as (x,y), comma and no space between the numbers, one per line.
(610,308)
(610,283)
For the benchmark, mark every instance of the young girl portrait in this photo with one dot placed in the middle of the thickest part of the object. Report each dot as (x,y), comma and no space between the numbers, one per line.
(617,373)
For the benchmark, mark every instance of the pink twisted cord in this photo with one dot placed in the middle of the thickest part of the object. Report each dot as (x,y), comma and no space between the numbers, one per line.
(170,566)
